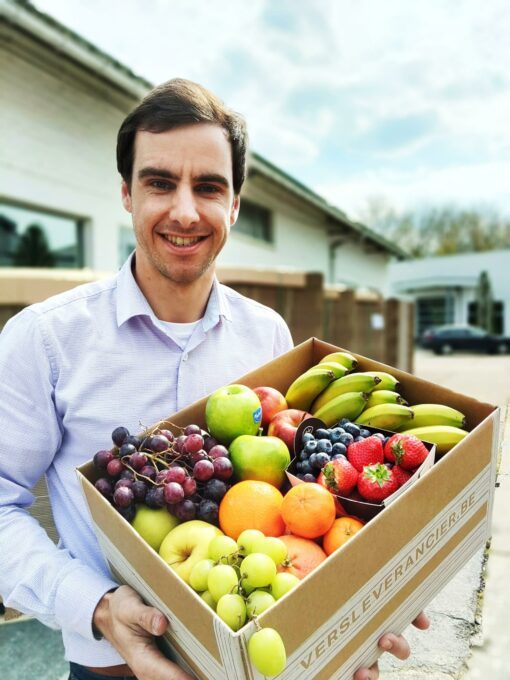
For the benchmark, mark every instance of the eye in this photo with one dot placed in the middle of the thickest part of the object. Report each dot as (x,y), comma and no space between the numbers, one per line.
(208,188)
(159,184)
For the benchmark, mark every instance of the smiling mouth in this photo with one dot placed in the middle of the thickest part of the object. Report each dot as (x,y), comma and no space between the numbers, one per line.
(182,241)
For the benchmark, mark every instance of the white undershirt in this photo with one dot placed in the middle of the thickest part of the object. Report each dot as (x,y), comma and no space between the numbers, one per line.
(179,332)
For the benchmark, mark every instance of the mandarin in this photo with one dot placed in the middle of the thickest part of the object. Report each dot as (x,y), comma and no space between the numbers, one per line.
(251,504)
(308,510)
(341,531)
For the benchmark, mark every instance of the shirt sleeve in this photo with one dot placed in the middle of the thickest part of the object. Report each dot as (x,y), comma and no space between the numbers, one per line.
(283,339)
(36,577)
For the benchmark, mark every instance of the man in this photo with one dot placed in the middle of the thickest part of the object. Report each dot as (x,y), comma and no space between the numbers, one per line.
(160,334)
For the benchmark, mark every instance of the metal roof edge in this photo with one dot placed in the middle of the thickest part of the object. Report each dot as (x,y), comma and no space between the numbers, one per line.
(26,16)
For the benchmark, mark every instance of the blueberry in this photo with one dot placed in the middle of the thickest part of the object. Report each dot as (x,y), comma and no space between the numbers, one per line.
(359,438)
(299,466)
(344,421)
(324,446)
(338,448)
(306,468)
(353,429)
(337,456)
(346,439)
(303,454)
(322,459)
(309,478)
(311,446)
(364,433)
(321,433)
(307,437)
(317,460)
(381,436)
(335,434)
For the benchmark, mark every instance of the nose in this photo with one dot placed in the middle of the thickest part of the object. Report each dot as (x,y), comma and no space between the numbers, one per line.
(183,209)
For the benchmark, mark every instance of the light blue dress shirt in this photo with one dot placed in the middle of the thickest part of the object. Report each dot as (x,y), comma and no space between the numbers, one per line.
(73,368)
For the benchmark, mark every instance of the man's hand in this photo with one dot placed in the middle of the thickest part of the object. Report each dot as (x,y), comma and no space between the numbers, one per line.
(396,645)
(130,626)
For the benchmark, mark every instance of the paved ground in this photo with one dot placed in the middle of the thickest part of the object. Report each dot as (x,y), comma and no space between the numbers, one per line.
(461,615)
(470,635)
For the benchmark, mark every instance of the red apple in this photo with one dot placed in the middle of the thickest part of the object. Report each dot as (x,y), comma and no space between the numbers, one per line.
(272,403)
(285,424)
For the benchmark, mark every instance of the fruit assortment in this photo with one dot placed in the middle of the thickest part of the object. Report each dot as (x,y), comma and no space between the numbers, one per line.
(354,462)
(218,503)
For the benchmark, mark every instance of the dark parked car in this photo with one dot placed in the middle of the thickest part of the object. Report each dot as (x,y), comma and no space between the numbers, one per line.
(446,339)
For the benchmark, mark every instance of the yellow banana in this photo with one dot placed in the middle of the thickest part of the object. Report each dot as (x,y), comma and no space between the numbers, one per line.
(354,382)
(347,405)
(385,397)
(306,387)
(445,437)
(386,416)
(437,414)
(343,358)
(388,381)
(338,369)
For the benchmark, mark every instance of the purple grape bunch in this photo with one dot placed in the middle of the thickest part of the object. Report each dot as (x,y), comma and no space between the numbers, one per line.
(187,474)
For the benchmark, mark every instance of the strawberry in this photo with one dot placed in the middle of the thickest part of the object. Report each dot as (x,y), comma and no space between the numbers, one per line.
(338,476)
(376,483)
(405,450)
(401,475)
(365,452)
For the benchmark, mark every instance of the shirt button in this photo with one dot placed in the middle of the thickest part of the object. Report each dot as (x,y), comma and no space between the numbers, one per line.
(185,357)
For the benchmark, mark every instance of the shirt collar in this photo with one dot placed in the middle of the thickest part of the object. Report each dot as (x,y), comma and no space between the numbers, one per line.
(131,301)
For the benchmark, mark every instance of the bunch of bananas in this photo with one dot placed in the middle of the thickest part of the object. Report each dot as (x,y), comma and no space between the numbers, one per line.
(333,389)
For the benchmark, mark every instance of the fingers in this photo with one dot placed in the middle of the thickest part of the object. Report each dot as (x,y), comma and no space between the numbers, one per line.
(151,620)
(396,645)
(371,673)
(422,621)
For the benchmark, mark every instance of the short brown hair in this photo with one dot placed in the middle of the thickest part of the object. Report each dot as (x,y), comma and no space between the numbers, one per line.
(176,103)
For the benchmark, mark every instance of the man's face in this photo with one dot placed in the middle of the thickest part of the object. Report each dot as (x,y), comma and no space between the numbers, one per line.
(182,201)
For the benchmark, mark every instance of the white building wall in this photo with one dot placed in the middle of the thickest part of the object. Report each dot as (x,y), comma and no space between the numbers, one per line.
(357,267)
(301,241)
(58,144)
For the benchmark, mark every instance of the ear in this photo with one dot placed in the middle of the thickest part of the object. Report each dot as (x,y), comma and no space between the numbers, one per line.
(126,196)
(234,212)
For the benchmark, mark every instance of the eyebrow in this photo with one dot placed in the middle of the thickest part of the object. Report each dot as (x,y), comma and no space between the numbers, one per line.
(167,174)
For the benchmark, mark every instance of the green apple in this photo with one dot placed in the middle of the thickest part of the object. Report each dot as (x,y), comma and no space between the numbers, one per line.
(153,525)
(231,411)
(261,458)
(187,544)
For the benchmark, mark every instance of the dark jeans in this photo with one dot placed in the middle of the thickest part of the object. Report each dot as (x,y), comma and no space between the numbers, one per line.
(81,673)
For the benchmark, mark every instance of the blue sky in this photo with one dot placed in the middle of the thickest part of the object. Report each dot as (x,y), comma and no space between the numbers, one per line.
(362,100)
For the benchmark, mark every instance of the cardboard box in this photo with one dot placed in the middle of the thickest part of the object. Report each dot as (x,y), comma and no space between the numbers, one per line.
(377,582)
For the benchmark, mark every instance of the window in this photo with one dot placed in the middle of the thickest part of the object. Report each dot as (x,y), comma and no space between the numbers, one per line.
(33,238)
(433,311)
(255,221)
(498,308)
(127,243)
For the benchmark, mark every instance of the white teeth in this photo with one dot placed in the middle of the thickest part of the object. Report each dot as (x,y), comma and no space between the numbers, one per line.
(179,241)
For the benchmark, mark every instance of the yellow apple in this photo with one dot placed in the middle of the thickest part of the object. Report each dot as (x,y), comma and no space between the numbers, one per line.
(153,525)
(187,544)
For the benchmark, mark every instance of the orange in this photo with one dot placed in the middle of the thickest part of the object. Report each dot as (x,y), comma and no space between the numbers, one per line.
(342,530)
(303,555)
(308,510)
(251,504)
